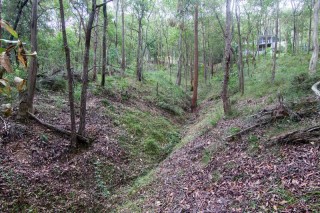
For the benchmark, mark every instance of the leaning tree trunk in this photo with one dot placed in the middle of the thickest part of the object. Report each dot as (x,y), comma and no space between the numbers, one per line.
(196,62)
(83,104)
(33,68)
(70,77)
(315,53)
(227,61)
(18,16)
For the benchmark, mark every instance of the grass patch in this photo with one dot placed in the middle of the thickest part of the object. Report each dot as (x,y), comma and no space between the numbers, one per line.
(149,136)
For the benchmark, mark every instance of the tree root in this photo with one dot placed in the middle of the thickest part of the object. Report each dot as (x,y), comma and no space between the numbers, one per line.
(80,138)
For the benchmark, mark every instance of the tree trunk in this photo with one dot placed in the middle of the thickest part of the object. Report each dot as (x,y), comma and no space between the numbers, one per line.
(83,104)
(33,68)
(19,13)
(315,53)
(123,53)
(274,57)
(240,60)
(0,26)
(227,60)
(310,25)
(196,62)
(178,81)
(70,77)
(104,44)
(95,47)
(139,57)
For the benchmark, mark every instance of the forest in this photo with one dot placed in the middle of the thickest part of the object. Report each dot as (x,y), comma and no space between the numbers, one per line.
(159,106)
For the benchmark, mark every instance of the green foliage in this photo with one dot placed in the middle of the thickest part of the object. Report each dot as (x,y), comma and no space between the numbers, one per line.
(156,134)
(234,130)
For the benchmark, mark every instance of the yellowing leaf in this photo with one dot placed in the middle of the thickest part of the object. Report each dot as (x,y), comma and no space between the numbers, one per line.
(3,82)
(31,54)
(6,25)
(19,83)
(22,54)
(5,62)
(6,109)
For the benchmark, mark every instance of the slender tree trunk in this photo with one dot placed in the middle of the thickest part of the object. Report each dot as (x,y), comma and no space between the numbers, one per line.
(0,26)
(240,60)
(95,47)
(204,57)
(123,53)
(315,53)
(178,81)
(33,67)
(70,77)
(19,13)
(104,44)
(227,60)
(139,55)
(274,58)
(310,25)
(83,105)
(196,62)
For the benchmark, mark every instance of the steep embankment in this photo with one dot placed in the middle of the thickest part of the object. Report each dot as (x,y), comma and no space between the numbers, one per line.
(252,172)
(135,125)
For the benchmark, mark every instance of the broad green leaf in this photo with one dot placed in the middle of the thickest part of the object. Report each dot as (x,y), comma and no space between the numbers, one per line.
(2,50)
(6,25)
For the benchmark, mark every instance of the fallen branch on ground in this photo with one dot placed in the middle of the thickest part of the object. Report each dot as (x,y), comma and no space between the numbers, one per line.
(80,138)
(308,135)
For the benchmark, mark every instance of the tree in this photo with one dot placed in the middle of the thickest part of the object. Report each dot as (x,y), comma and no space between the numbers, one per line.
(104,44)
(21,5)
(141,7)
(196,61)
(274,57)
(70,76)
(84,91)
(240,60)
(33,68)
(123,53)
(227,60)
(315,53)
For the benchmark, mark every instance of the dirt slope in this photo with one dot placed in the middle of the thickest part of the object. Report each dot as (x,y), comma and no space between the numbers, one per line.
(209,174)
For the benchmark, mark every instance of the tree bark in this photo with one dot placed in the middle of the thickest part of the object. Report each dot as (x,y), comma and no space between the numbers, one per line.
(196,62)
(310,25)
(104,44)
(139,56)
(274,57)
(33,68)
(240,58)
(315,53)
(178,81)
(95,47)
(227,60)
(19,13)
(123,53)
(83,104)
(70,77)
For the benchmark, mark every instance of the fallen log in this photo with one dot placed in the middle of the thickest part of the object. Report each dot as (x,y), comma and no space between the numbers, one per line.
(308,135)
(80,138)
